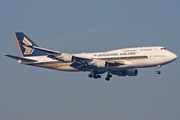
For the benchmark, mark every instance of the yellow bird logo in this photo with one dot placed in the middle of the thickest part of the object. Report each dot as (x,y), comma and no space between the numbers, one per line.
(28,50)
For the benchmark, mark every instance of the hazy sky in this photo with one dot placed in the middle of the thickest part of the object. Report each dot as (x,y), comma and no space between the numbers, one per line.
(30,93)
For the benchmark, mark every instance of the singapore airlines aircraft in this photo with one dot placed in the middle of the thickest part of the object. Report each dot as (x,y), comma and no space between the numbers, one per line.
(120,62)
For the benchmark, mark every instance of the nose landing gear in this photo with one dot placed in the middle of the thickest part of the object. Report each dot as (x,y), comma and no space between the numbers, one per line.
(158,70)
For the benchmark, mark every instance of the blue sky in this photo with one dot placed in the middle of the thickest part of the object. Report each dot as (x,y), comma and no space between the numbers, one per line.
(88,26)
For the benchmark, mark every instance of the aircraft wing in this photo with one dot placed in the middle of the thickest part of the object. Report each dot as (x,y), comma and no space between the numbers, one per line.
(80,63)
(20,58)
(114,63)
(82,66)
(82,59)
(52,53)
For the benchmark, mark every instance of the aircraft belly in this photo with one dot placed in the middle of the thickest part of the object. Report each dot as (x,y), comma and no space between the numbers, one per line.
(67,68)
(145,63)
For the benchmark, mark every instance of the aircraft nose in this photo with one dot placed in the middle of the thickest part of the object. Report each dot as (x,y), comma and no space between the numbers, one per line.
(174,56)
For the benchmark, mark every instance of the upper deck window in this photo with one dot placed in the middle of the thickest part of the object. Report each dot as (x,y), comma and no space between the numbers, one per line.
(145,49)
(129,50)
(163,48)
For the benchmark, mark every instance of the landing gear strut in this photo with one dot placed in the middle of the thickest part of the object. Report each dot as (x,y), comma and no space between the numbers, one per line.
(158,70)
(108,77)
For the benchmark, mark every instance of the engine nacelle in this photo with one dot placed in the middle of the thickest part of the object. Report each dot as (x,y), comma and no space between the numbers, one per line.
(129,72)
(132,72)
(100,64)
(120,73)
(66,58)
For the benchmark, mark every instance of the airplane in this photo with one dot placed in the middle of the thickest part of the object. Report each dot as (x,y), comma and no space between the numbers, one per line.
(120,62)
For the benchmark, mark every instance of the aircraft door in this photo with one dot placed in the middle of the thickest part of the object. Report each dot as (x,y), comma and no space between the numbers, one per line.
(150,56)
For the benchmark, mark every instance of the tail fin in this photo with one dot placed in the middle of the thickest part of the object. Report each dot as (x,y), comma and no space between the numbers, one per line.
(27,51)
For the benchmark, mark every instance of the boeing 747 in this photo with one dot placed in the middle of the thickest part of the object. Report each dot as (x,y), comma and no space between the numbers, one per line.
(120,62)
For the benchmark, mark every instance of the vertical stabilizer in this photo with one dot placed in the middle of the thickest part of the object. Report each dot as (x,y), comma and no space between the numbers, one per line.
(27,51)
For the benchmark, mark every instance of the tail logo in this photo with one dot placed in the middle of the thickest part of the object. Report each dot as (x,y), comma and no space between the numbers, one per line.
(28,50)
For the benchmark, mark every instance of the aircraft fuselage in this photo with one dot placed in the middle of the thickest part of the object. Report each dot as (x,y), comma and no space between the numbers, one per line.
(139,57)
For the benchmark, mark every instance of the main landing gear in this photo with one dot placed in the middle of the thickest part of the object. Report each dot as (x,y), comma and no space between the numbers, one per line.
(158,70)
(94,75)
(108,77)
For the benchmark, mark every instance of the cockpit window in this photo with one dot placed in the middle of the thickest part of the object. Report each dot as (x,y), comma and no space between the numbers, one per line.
(163,48)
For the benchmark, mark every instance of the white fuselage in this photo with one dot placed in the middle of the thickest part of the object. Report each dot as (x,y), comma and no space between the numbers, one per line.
(139,57)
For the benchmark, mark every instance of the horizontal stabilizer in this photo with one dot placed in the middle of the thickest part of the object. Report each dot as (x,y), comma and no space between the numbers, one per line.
(20,58)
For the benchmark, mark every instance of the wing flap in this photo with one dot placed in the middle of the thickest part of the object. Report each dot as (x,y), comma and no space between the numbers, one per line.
(81,66)
(85,66)
(114,63)
(81,59)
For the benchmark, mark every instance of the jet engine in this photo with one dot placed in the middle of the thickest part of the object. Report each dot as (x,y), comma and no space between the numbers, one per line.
(132,72)
(100,64)
(129,72)
(66,58)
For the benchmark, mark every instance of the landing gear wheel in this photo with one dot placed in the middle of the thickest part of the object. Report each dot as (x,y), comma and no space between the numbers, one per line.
(90,75)
(158,72)
(107,78)
(98,76)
